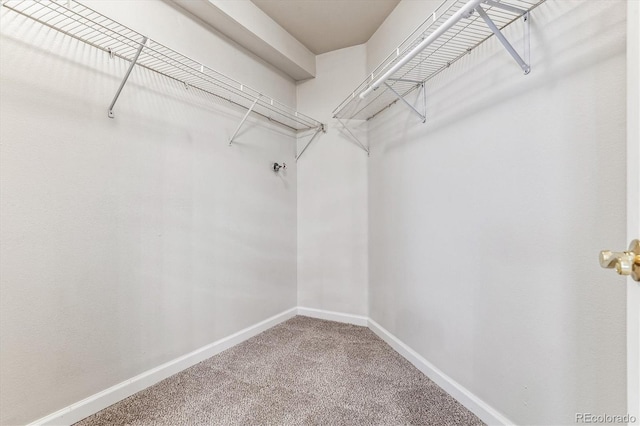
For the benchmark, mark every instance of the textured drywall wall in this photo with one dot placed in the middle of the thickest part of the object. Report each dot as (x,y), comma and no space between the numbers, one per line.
(332,193)
(127,243)
(485,223)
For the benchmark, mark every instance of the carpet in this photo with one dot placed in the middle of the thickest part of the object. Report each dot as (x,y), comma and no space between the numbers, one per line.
(303,371)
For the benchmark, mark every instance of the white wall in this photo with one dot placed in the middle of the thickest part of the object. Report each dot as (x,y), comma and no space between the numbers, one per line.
(129,242)
(332,193)
(485,223)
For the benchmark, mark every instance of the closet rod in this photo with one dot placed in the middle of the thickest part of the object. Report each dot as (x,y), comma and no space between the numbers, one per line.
(463,12)
(448,34)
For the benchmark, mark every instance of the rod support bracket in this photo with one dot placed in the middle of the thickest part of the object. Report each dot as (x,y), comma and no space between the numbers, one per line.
(354,138)
(244,119)
(423,117)
(144,42)
(320,129)
(523,63)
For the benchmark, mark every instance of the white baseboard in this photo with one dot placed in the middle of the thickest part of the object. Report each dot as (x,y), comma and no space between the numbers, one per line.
(484,411)
(94,403)
(334,316)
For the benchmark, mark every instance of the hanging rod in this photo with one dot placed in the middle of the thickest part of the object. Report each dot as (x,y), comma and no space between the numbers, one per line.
(464,11)
(451,32)
(82,23)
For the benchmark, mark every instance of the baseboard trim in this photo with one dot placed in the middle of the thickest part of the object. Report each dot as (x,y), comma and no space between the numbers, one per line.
(334,316)
(101,400)
(484,411)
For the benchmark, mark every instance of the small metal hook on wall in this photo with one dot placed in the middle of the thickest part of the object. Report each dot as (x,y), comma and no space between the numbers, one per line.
(277,167)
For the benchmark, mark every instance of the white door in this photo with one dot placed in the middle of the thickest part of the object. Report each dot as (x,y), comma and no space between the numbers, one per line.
(629,262)
(633,203)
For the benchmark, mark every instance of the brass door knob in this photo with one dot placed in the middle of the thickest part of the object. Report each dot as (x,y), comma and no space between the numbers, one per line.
(625,263)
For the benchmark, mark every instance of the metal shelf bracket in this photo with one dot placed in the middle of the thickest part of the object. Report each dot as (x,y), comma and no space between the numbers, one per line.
(423,117)
(243,120)
(525,63)
(356,140)
(322,128)
(126,76)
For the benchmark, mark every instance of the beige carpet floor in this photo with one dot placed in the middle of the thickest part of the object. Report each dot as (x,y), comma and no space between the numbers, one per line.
(302,372)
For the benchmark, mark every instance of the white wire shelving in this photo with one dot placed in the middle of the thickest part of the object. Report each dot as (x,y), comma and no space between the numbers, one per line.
(452,31)
(85,24)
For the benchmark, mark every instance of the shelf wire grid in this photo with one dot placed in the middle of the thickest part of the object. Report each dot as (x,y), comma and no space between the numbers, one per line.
(85,24)
(455,43)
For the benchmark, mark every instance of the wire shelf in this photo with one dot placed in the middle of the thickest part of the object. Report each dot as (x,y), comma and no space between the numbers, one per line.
(85,24)
(456,42)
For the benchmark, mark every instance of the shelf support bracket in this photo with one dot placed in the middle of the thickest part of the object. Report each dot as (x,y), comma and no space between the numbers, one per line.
(524,65)
(360,144)
(422,117)
(243,120)
(320,128)
(126,77)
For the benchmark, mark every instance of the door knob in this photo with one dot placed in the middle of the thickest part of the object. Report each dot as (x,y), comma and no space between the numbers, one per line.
(625,263)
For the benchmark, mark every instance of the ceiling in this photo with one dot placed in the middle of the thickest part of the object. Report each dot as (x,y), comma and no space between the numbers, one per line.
(326,25)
